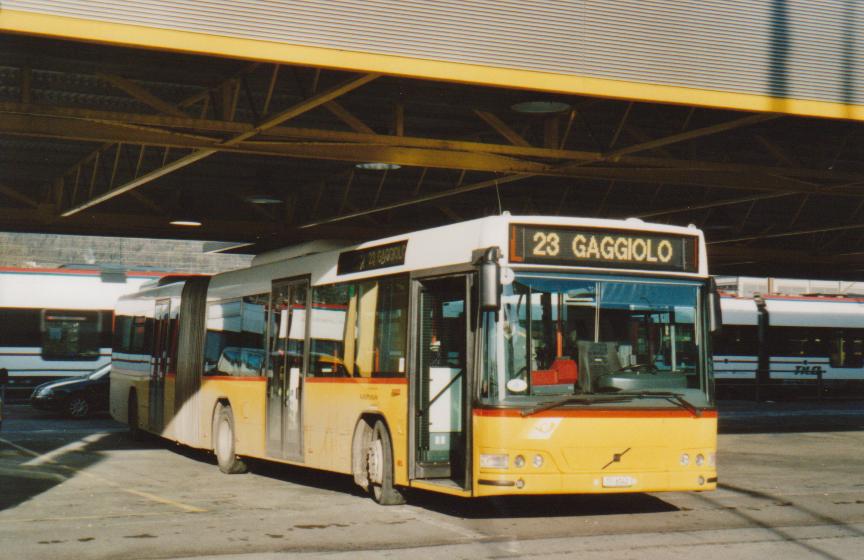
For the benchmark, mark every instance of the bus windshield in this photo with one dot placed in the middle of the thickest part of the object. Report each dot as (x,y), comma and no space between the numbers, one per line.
(616,340)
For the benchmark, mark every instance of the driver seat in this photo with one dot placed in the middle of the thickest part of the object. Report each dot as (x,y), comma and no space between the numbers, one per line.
(596,359)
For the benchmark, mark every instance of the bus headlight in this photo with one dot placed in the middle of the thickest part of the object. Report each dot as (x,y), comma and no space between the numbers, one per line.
(700,460)
(685,459)
(538,460)
(493,461)
(519,461)
(712,459)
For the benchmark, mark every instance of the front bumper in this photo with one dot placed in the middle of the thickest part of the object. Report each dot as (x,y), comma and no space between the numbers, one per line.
(489,484)
(49,402)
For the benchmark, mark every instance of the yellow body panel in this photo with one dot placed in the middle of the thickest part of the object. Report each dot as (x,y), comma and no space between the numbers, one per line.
(247,397)
(579,451)
(185,41)
(330,413)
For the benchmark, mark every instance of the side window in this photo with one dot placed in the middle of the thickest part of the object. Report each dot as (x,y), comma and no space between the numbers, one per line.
(332,331)
(391,325)
(847,349)
(360,329)
(70,335)
(234,344)
(736,340)
(139,335)
(800,341)
(122,334)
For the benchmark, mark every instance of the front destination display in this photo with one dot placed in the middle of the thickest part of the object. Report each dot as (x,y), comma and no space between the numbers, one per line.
(602,247)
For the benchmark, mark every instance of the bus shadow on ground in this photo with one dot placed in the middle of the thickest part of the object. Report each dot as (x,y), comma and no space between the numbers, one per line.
(540,506)
(23,476)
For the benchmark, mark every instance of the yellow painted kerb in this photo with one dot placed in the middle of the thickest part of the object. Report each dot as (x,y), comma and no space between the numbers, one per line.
(253,49)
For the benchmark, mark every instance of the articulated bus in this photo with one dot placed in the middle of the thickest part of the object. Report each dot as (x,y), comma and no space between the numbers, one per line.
(779,346)
(504,355)
(56,323)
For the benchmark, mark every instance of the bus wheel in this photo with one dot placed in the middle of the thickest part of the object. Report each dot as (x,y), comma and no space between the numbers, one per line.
(379,465)
(223,442)
(135,432)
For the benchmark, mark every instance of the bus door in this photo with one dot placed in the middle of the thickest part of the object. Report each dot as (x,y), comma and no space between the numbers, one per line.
(286,351)
(159,363)
(441,387)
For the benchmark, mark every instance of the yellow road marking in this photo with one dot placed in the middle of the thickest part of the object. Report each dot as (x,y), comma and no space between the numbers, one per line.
(105,481)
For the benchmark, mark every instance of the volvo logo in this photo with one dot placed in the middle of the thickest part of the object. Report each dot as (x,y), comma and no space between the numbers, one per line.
(616,458)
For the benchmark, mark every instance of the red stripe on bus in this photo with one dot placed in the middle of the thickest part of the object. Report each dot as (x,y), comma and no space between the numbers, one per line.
(232,378)
(389,380)
(596,413)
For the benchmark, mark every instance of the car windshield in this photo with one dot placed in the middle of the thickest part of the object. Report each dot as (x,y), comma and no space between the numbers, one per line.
(560,335)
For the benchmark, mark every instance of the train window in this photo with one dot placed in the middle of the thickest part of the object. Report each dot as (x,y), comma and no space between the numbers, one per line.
(847,349)
(234,344)
(20,327)
(736,340)
(799,341)
(70,334)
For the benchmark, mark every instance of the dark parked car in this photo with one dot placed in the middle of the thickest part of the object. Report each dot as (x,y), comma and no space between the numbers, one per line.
(77,397)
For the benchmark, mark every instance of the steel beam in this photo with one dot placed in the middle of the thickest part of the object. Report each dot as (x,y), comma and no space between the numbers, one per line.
(279,118)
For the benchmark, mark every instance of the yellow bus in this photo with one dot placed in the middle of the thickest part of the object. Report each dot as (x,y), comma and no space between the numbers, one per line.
(504,355)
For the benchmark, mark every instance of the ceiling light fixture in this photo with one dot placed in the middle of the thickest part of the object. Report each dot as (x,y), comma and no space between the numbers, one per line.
(185,223)
(263,199)
(541,107)
(378,166)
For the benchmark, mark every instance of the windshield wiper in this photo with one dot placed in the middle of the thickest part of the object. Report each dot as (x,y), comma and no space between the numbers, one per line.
(676,398)
(580,399)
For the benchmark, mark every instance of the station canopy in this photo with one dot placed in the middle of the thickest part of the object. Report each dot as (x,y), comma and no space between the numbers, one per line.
(279,122)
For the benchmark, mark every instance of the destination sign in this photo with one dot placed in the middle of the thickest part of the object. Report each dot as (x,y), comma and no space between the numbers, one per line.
(603,247)
(382,256)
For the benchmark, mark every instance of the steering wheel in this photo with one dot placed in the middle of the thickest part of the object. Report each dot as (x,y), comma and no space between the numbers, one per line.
(633,367)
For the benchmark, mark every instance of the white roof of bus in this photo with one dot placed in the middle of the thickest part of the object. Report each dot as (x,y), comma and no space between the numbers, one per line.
(815,312)
(443,246)
(739,311)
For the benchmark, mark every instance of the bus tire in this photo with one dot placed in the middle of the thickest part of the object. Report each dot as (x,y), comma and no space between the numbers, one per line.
(379,465)
(224,442)
(135,431)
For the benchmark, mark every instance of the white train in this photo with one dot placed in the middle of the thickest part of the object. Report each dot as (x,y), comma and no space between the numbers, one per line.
(786,346)
(57,323)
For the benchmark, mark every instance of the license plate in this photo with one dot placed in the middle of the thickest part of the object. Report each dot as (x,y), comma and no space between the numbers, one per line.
(618,481)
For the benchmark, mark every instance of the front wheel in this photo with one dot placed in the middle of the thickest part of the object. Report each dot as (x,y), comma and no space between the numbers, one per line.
(223,442)
(78,406)
(379,462)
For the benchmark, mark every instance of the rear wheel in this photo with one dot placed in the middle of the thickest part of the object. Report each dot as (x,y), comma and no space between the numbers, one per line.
(78,406)
(379,465)
(224,442)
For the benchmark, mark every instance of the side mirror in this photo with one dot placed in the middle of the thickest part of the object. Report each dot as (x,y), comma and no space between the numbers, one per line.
(490,280)
(715,315)
(4,376)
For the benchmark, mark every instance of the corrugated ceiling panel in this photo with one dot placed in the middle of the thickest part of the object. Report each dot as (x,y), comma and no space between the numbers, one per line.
(783,48)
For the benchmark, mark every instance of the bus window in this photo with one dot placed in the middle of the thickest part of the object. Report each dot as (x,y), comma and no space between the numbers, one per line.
(235,337)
